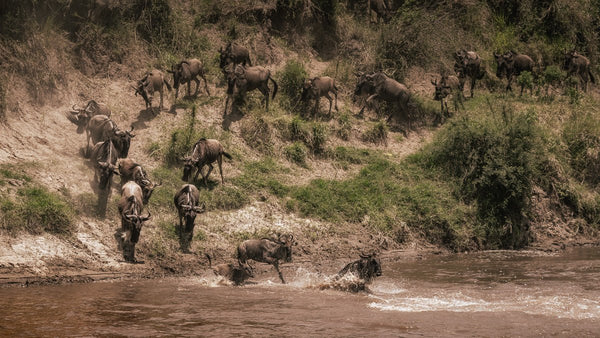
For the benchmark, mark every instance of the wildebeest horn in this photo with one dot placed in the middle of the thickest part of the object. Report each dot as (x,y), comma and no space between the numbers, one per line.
(145,218)
(201,208)
(159,184)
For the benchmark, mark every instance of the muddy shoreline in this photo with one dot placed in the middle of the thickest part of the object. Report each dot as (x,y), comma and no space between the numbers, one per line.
(162,269)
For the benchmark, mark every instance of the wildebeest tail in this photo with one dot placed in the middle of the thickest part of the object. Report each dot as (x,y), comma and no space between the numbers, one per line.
(227,155)
(274,87)
(167,84)
(592,76)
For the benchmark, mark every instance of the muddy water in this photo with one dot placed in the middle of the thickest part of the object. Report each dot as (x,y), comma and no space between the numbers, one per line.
(494,294)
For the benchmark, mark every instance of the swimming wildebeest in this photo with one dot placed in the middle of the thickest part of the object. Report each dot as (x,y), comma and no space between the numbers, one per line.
(104,159)
(101,128)
(380,86)
(367,268)
(204,152)
(152,82)
(234,53)
(449,84)
(512,64)
(81,116)
(130,209)
(575,63)
(267,250)
(130,170)
(467,64)
(317,87)
(237,273)
(186,201)
(242,80)
(186,71)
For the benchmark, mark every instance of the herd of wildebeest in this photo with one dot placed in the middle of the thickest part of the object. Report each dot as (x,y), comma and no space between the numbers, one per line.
(109,147)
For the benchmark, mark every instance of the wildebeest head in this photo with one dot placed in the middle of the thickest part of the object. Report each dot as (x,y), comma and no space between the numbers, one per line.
(136,222)
(141,89)
(122,140)
(286,242)
(225,56)
(307,90)
(371,267)
(188,167)
(147,189)
(505,63)
(180,72)
(80,117)
(190,211)
(364,85)
(106,171)
(441,90)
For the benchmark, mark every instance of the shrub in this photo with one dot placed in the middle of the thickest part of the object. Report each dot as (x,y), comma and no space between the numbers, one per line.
(581,134)
(318,138)
(291,80)
(296,153)
(496,162)
(36,210)
(345,126)
(525,80)
(378,133)
(257,134)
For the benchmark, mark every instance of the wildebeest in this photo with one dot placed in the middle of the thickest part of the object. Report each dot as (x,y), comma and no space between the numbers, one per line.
(234,53)
(380,86)
(130,209)
(267,250)
(449,84)
(104,159)
(204,152)
(512,64)
(186,201)
(186,71)
(242,80)
(467,64)
(81,116)
(130,170)
(101,128)
(238,273)
(317,87)
(152,82)
(367,268)
(575,63)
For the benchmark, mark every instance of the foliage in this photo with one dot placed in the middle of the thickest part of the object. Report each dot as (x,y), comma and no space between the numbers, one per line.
(525,80)
(36,210)
(496,163)
(345,126)
(296,152)
(292,79)
(257,134)
(378,133)
(581,134)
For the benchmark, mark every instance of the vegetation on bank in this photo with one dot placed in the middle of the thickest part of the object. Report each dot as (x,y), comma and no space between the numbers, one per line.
(27,206)
(472,187)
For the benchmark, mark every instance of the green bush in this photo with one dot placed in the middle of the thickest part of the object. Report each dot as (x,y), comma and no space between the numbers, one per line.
(257,134)
(298,130)
(496,163)
(36,210)
(378,133)
(525,81)
(318,138)
(292,79)
(345,126)
(296,153)
(581,134)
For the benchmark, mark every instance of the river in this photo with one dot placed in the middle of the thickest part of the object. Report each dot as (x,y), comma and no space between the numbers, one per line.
(491,294)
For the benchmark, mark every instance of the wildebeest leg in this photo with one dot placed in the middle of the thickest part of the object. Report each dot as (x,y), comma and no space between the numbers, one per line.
(220,162)
(336,106)
(330,102)
(205,84)
(316,109)
(472,85)
(199,172)
(226,104)
(276,265)
(197,85)
(160,106)
(264,89)
(210,168)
